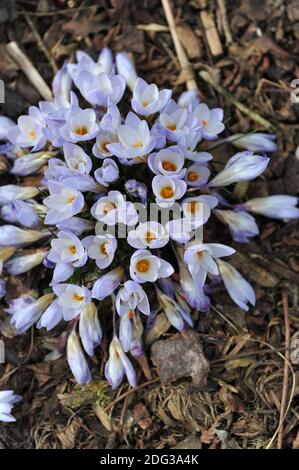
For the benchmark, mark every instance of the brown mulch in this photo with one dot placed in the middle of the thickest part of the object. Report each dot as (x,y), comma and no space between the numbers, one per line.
(253,54)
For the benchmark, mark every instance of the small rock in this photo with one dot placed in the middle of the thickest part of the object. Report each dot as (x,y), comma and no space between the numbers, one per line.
(181,356)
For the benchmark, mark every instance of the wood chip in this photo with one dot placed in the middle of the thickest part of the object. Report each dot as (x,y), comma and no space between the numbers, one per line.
(211,33)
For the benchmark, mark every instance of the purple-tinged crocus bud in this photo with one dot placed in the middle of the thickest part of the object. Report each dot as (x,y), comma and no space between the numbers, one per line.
(51,316)
(26,311)
(90,330)
(147,99)
(137,189)
(176,316)
(5,125)
(237,287)
(107,283)
(76,360)
(241,225)
(277,207)
(189,99)
(7,400)
(257,142)
(25,262)
(11,235)
(108,173)
(76,225)
(243,166)
(30,163)
(62,83)
(126,68)
(118,365)
(12,192)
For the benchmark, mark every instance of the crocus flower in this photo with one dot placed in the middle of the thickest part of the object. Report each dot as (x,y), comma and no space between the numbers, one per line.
(130,297)
(11,192)
(62,83)
(101,248)
(90,330)
(257,142)
(147,99)
(30,163)
(191,140)
(11,235)
(100,89)
(5,125)
(241,225)
(209,121)
(189,99)
(137,189)
(107,284)
(168,162)
(80,125)
(104,138)
(135,139)
(85,62)
(25,262)
(237,287)
(175,122)
(148,235)
(113,209)
(76,159)
(277,207)
(76,360)
(126,69)
(145,267)
(200,259)
(68,253)
(71,299)
(51,316)
(243,166)
(76,225)
(7,400)
(29,130)
(118,365)
(198,208)
(59,172)
(25,310)
(108,173)
(27,213)
(63,203)
(176,316)
(197,175)
(130,332)
(167,190)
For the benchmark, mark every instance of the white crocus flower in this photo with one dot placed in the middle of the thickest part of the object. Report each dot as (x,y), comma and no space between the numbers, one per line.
(130,297)
(7,401)
(167,190)
(113,209)
(147,99)
(174,119)
(277,207)
(168,162)
(148,235)
(101,248)
(76,359)
(12,192)
(200,259)
(71,299)
(63,203)
(197,175)
(89,328)
(145,267)
(126,69)
(209,120)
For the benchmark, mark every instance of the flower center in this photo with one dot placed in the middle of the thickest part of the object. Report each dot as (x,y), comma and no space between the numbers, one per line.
(32,135)
(131,315)
(168,166)
(142,265)
(171,127)
(81,130)
(103,145)
(145,103)
(192,176)
(204,122)
(108,207)
(200,254)
(137,144)
(73,249)
(78,297)
(167,192)
(103,249)
(70,199)
(150,237)
(193,206)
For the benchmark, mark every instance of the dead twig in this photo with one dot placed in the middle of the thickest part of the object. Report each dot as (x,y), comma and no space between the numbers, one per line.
(224,21)
(285,383)
(206,76)
(40,43)
(181,54)
(29,70)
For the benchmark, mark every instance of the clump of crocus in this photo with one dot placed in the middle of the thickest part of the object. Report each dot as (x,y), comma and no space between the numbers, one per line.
(120,204)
